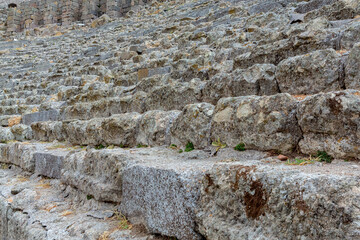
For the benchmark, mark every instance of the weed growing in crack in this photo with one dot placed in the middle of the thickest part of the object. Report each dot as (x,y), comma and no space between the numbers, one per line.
(189,147)
(124,224)
(100,146)
(141,146)
(324,157)
(240,147)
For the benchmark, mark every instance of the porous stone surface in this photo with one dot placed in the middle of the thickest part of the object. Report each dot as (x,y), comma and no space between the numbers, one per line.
(47,209)
(248,200)
(329,122)
(352,77)
(98,99)
(310,73)
(193,125)
(263,123)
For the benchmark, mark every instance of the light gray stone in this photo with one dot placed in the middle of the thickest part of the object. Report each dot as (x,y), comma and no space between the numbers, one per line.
(249,200)
(50,115)
(262,123)
(193,125)
(154,127)
(97,173)
(310,73)
(352,69)
(49,164)
(329,122)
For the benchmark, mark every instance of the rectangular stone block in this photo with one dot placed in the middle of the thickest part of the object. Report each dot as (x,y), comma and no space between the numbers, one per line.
(49,164)
(50,115)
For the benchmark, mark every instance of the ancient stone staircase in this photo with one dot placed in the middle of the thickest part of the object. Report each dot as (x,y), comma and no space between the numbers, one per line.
(94,122)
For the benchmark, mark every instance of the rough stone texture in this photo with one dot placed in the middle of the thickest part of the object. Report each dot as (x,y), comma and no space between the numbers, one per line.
(97,173)
(6,134)
(263,123)
(256,80)
(329,122)
(19,154)
(193,124)
(48,131)
(154,127)
(45,202)
(100,21)
(35,13)
(49,164)
(120,129)
(51,115)
(21,132)
(152,77)
(247,200)
(352,73)
(310,73)
(167,205)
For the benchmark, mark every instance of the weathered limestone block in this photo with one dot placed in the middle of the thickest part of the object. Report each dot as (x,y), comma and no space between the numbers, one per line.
(49,164)
(262,123)
(83,132)
(330,122)
(50,115)
(246,200)
(100,21)
(43,202)
(256,80)
(120,129)
(48,131)
(130,103)
(154,127)
(21,132)
(19,154)
(338,10)
(193,124)
(174,96)
(96,173)
(163,195)
(312,5)
(350,36)
(6,134)
(310,73)
(352,69)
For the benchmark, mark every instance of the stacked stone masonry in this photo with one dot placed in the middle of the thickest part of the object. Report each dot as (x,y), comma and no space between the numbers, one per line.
(37,13)
(95,119)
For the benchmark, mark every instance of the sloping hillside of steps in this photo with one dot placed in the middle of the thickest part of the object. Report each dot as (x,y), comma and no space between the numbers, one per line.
(280,76)
(234,195)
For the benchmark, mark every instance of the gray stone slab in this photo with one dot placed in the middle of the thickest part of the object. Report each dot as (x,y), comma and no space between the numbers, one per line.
(50,115)
(49,164)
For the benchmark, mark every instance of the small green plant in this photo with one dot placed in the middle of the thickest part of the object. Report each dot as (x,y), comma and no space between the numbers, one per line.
(173,146)
(100,146)
(324,157)
(240,147)
(88,197)
(141,146)
(180,150)
(189,147)
(218,144)
(302,161)
(123,222)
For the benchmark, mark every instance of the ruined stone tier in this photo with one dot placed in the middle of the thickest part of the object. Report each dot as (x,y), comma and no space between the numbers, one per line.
(35,13)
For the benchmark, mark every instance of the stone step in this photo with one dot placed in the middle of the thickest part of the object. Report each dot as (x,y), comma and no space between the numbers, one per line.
(17,109)
(191,195)
(279,122)
(33,207)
